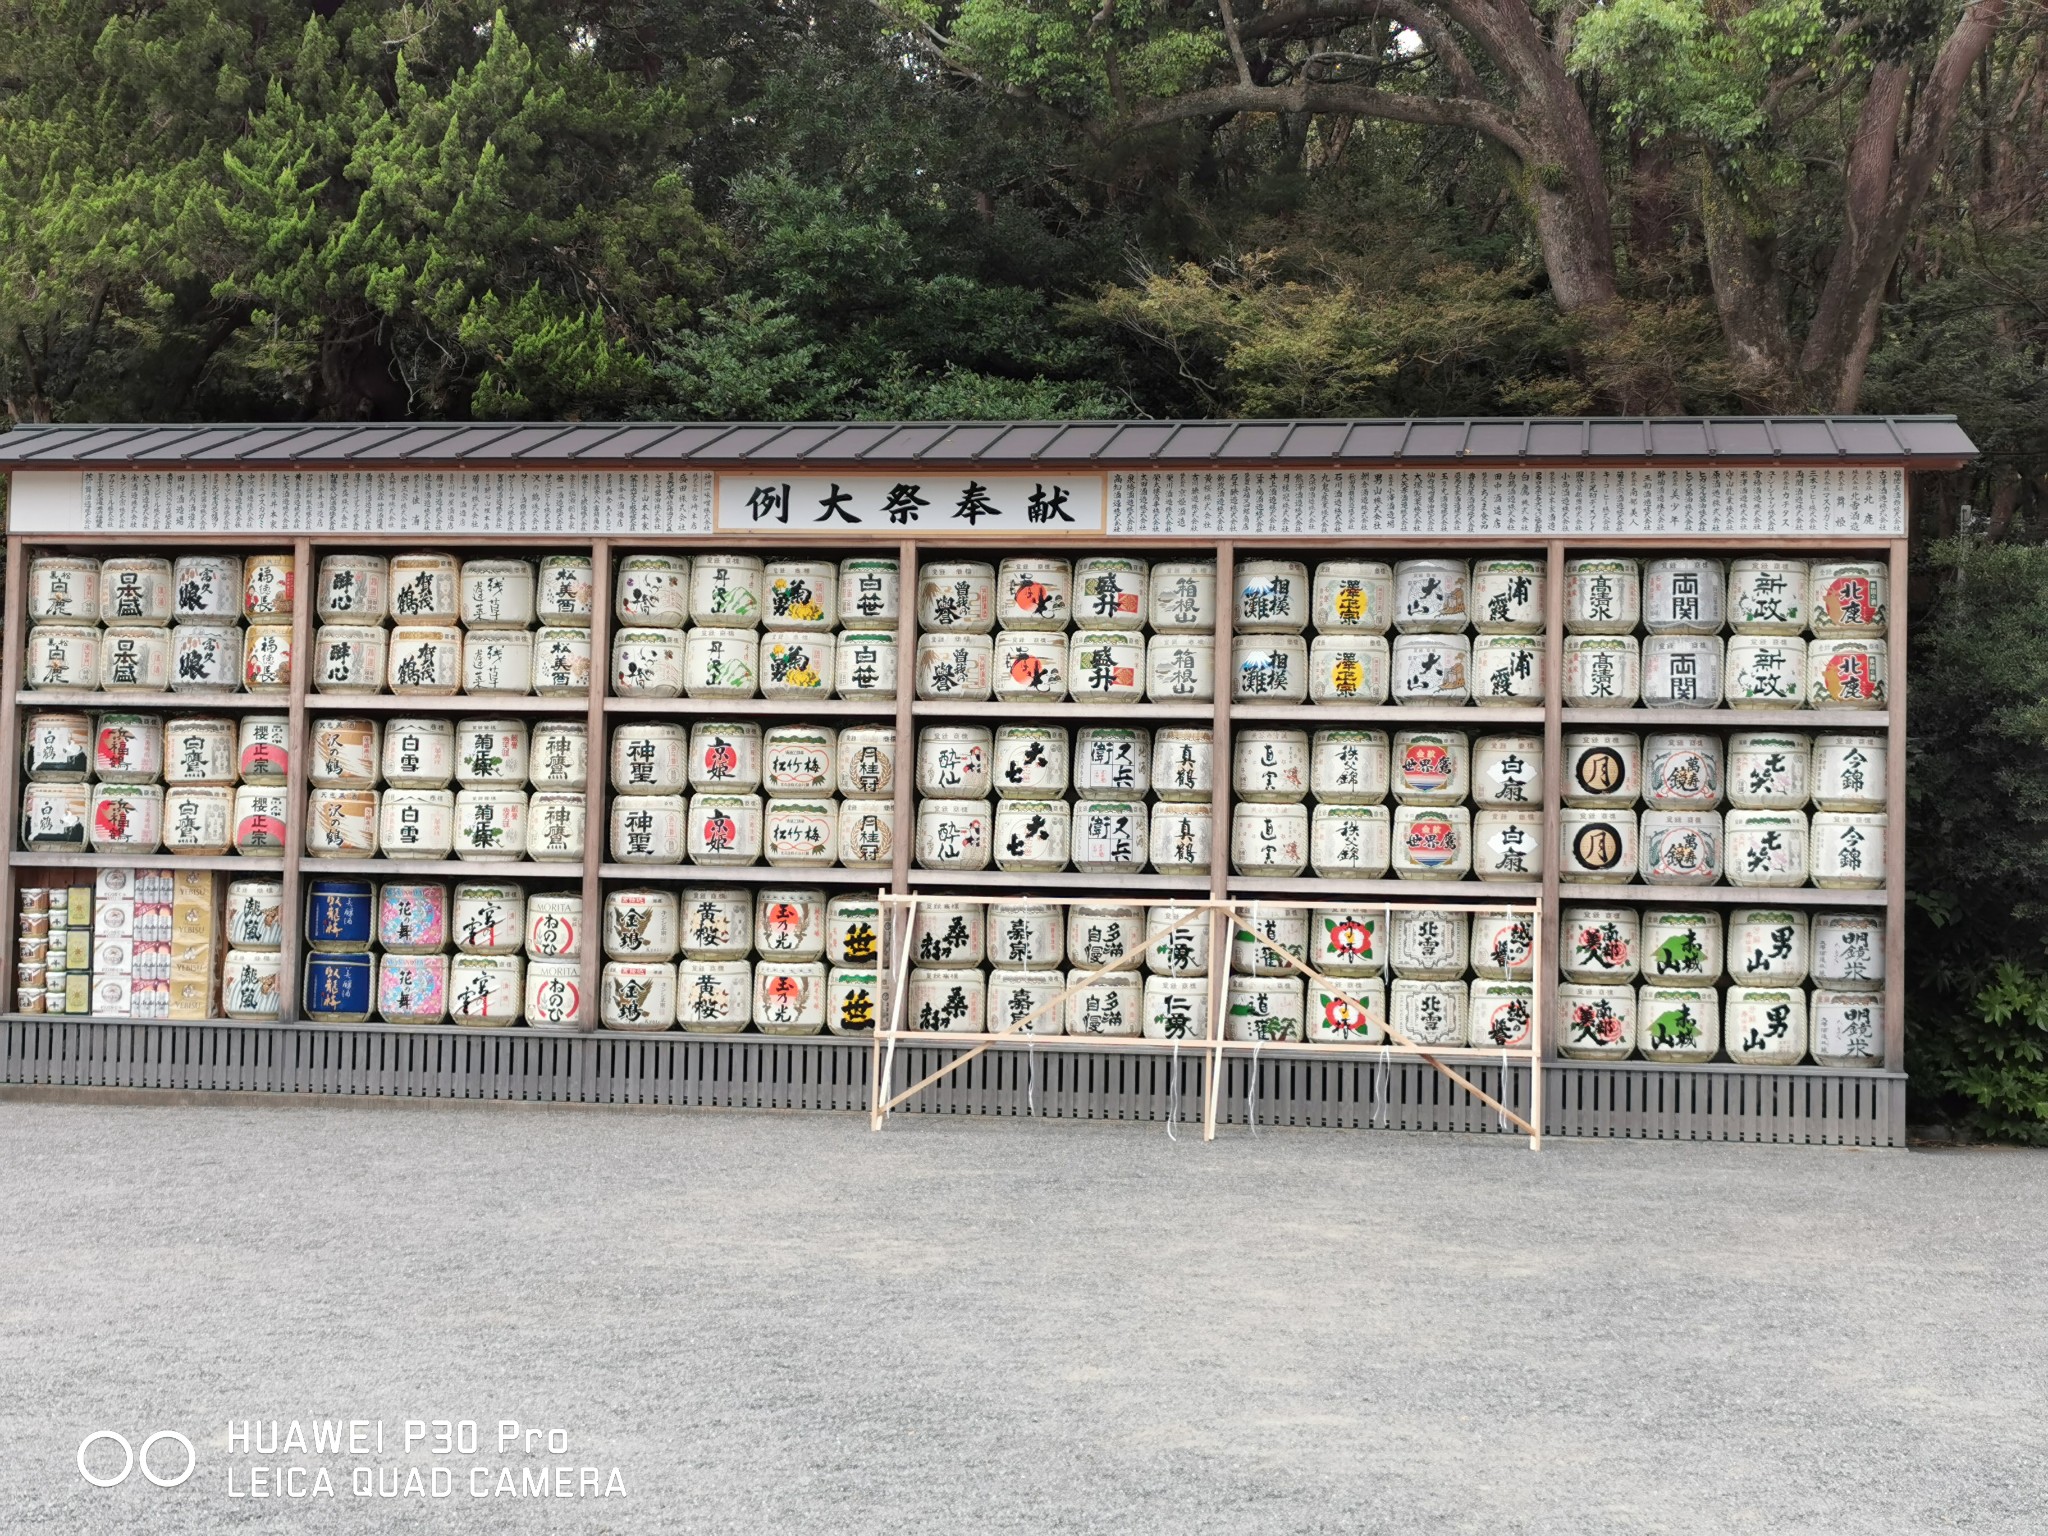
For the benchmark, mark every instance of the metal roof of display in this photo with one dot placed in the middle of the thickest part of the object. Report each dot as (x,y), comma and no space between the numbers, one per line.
(1914,441)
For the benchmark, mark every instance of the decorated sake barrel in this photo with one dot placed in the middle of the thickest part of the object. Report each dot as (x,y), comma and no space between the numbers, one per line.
(128,749)
(1503,945)
(1348,1011)
(1182,837)
(801,595)
(1507,596)
(263,748)
(1600,944)
(341,988)
(725,757)
(1602,671)
(261,816)
(1182,669)
(554,995)
(867,833)
(1679,847)
(946,1001)
(1767,596)
(135,658)
(1269,669)
(955,666)
(1431,668)
(486,919)
(726,591)
(565,591)
(198,819)
(799,760)
(954,834)
(250,984)
(1430,596)
(648,829)
(1431,842)
(800,833)
(1602,596)
(1507,772)
(269,586)
(554,925)
(491,753)
(1682,671)
(1500,1015)
(1105,1003)
(1682,771)
(721,663)
(135,589)
(1183,764)
(1684,595)
(1354,597)
(425,589)
(1181,949)
(425,660)
(1349,767)
(206,657)
(1030,664)
(1598,845)
(1596,1022)
(352,589)
(956,596)
(1767,946)
(497,661)
(855,931)
(1172,1007)
(64,589)
(340,915)
(1264,1008)
(866,665)
(1097,934)
(1110,836)
(1270,766)
(486,989)
(1846,849)
(856,1000)
(1847,1028)
(1110,592)
(1507,670)
(418,751)
(557,825)
(1034,593)
(489,823)
(267,658)
(341,823)
(60,747)
(561,661)
(1269,839)
(1431,767)
(714,997)
(252,915)
(1106,666)
(953,761)
(1848,597)
(1350,842)
(1273,597)
(1427,1012)
(1027,936)
(63,656)
(652,757)
(1032,835)
(1348,668)
(865,765)
(1347,941)
(1678,1023)
(1112,760)
(722,829)
(796,664)
(1181,596)
(789,997)
(649,925)
(868,593)
(1848,950)
(647,664)
(1766,1026)
(637,996)
(1840,674)
(1765,671)
(1430,945)
(1849,772)
(1769,770)
(652,591)
(496,594)
(1682,947)
(1766,848)
(412,988)
(343,752)
(1507,844)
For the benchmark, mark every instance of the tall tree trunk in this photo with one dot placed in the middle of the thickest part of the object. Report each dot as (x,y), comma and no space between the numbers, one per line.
(1749,295)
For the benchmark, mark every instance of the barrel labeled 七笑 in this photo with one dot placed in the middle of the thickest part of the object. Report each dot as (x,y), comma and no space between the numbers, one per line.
(1766,848)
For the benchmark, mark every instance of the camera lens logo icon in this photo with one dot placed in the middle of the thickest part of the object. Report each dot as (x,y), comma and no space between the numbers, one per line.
(131,1458)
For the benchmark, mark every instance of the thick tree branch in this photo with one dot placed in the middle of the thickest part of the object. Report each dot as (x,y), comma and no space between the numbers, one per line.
(1306,15)
(1244,68)
(1361,101)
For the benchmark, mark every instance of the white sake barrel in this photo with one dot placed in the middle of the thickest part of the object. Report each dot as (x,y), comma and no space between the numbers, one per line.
(651,758)
(491,753)
(1098,934)
(412,989)
(652,591)
(1430,945)
(1350,842)
(65,589)
(1182,949)
(714,997)
(561,661)
(1600,944)
(1597,844)
(725,757)
(1182,837)
(418,752)
(856,1000)
(856,928)
(1181,668)
(1110,592)
(1029,664)
(1507,670)
(1679,847)
(1034,592)
(198,749)
(1848,950)
(789,997)
(554,925)
(1431,767)
(1507,844)
(796,664)
(800,833)
(1766,1026)
(497,661)
(1507,772)
(722,829)
(1682,771)
(1184,764)
(1849,772)
(135,589)
(950,1001)
(1174,1008)
(1349,767)
(954,834)
(1596,1023)
(865,765)
(1767,947)
(953,761)
(250,984)
(489,823)
(1106,666)
(1847,1028)
(1347,941)
(252,917)
(267,658)
(1354,597)
(1431,842)
(1032,835)
(1269,839)
(63,656)
(1349,1011)
(957,596)
(206,657)
(1264,1008)
(1678,1023)
(263,748)
(647,664)
(135,658)
(725,591)
(260,817)
(1602,671)
(268,586)
(1181,595)
(1349,668)
(1602,596)
(1027,936)
(341,823)
(496,594)
(1270,766)
(867,833)
(1503,945)
(1269,669)
(1766,848)
(1840,674)
(128,749)
(352,589)
(58,747)
(425,589)
(1110,836)
(646,925)
(565,592)
(198,819)
(1602,768)
(648,829)
(1272,597)
(1500,1015)
(1767,596)
(1431,668)
(1507,596)
(1848,597)
(53,816)
(865,662)
(557,826)
(1846,849)
(1682,947)
(1264,938)
(486,989)
(416,823)
(1430,596)
(1427,1012)
(426,659)
(1684,595)
(868,593)
(1769,770)
(1682,671)
(1104,1004)
(954,665)
(799,760)
(554,995)
(801,595)
(1765,671)
(1113,761)
(721,663)
(637,996)
(487,919)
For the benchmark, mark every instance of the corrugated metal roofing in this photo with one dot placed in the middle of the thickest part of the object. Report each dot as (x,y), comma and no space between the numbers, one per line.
(1920,441)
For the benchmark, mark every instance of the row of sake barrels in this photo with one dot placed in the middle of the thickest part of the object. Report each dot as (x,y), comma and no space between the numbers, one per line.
(1047,594)
(1751,770)
(1705,672)
(1769,1026)
(659,757)
(348,987)
(716,662)
(434,751)
(1759,946)
(734,830)
(1833,850)
(157,590)
(186,657)
(480,823)
(729,590)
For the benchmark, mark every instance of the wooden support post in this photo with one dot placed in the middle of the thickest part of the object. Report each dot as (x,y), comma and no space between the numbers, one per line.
(1895,807)
(1550,935)
(1222,763)
(12,649)
(596,787)
(291,966)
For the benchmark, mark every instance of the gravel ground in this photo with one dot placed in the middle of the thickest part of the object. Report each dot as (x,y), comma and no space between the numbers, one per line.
(778,1323)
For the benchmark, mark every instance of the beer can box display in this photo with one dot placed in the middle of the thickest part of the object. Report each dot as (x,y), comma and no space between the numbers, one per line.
(198,819)
(1684,595)
(1430,945)
(1849,773)
(263,749)
(1172,1007)
(1097,935)
(725,756)
(1679,847)
(416,823)
(1507,596)
(1269,839)
(1503,945)
(722,829)
(1767,596)
(252,916)
(1349,669)
(1108,1003)
(126,818)
(135,658)
(412,918)
(554,995)
(135,589)
(1354,597)
(557,826)
(1765,848)
(1681,947)
(1769,770)
(1181,597)
(1602,596)
(957,666)
(1500,1015)
(1270,766)
(1034,593)
(1030,664)
(1184,764)
(1430,596)
(1431,767)
(1847,1028)
(53,817)
(1682,772)
(1025,1002)
(954,834)
(425,588)
(60,748)
(1265,1008)
(63,656)
(868,593)
(425,661)
(867,833)
(341,988)
(1032,835)
(412,989)
(654,758)
(1764,671)
(789,997)
(1678,1023)
(1110,592)
(1427,1012)
(637,996)
(486,919)
(648,829)
(721,663)
(1840,674)
(1346,941)
(267,658)
(269,586)
(565,591)
(1110,836)
(496,594)
(1848,950)
(1182,669)
(249,984)
(957,596)
(1596,1022)
(1507,772)
(1848,597)
(725,591)
(1431,668)
(1182,837)
(489,823)
(865,663)
(340,915)
(856,1000)
(865,761)
(1431,842)
(1766,1026)
(1507,670)
(1600,944)
(946,1000)
(1598,845)
(953,761)
(1602,671)
(1767,947)
(799,760)
(647,925)
(127,749)
(351,658)
(1269,669)
(797,665)
(800,833)
(714,997)
(1507,845)
(647,664)
(1112,760)
(1682,671)
(801,594)
(855,931)
(652,591)
(1350,842)
(1183,948)
(262,818)
(486,989)
(1106,666)
(1273,597)
(206,658)
(64,589)
(1846,849)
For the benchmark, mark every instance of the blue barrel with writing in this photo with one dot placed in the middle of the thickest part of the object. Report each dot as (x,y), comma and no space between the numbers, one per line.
(340,988)
(340,916)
